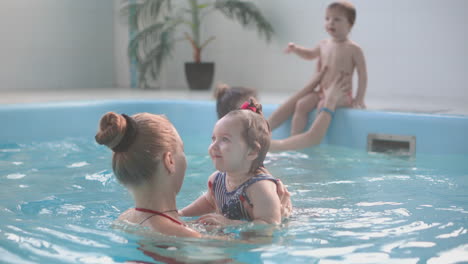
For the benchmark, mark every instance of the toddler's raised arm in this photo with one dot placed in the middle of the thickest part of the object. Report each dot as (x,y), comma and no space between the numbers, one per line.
(303,52)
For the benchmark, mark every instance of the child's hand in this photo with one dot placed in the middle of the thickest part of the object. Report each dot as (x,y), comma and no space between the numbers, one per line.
(285,198)
(291,48)
(213,219)
(359,103)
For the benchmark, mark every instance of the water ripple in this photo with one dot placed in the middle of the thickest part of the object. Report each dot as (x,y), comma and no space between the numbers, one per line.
(377,203)
(455,255)
(327,252)
(333,182)
(15,176)
(108,235)
(103,176)
(454,209)
(418,244)
(12,258)
(389,177)
(371,258)
(71,238)
(78,164)
(456,233)
(40,247)
(10,150)
(395,231)
(67,208)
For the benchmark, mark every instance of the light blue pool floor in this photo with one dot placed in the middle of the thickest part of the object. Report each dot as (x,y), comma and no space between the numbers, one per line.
(418,104)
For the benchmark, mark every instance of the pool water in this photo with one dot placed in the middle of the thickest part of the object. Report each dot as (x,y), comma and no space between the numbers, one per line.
(59,199)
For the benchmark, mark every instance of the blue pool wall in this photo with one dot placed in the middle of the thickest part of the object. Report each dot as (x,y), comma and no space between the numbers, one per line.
(26,123)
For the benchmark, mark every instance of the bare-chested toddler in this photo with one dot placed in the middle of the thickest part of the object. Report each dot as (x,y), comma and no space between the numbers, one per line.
(339,55)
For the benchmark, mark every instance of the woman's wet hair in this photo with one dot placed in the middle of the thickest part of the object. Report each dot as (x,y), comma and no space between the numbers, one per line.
(230,98)
(256,131)
(138,143)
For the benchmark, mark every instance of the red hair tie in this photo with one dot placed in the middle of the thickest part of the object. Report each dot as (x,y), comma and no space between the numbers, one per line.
(246,105)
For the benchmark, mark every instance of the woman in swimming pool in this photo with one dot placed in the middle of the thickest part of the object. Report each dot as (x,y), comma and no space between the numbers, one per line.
(148,159)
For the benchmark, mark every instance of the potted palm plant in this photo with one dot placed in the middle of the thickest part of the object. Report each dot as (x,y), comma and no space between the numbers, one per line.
(156,23)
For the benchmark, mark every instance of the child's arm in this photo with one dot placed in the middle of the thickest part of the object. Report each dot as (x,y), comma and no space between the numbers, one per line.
(266,203)
(361,68)
(283,195)
(204,204)
(305,53)
(266,207)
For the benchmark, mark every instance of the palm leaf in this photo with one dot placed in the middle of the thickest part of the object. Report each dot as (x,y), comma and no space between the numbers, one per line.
(130,12)
(247,14)
(154,22)
(143,12)
(150,65)
(143,39)
(152,45)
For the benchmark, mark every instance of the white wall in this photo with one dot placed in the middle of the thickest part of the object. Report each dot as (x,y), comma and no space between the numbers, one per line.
(121,37)
(56,44)
(413,48)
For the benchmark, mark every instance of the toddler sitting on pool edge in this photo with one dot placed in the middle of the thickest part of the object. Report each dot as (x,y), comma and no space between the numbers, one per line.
(338,54)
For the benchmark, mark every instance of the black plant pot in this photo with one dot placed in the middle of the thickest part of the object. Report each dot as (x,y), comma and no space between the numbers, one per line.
(199,75)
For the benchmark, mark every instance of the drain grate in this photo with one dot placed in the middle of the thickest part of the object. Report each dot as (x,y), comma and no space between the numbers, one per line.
(391,144)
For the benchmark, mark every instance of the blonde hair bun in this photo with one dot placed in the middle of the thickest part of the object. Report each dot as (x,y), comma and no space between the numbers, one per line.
(111,129)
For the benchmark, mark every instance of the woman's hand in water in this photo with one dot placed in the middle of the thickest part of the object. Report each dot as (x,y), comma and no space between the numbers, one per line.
(285,198)
(215,219)
(283,194)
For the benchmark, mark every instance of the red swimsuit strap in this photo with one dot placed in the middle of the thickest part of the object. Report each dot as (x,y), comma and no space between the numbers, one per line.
(158,213)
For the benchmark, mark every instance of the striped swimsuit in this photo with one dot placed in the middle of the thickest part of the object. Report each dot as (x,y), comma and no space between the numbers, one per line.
(231,203)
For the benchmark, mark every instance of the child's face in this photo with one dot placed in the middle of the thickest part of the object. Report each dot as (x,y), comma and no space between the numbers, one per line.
(337,24)
(228,149)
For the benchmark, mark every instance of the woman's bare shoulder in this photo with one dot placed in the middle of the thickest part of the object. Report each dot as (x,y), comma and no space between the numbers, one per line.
(169,228)
(127,215)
